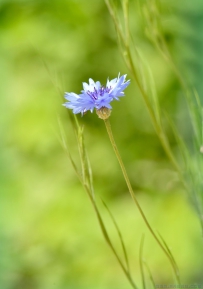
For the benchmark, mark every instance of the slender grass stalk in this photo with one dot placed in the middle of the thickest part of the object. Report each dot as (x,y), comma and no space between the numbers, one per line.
(107,239)
(119,235)
(111,137)
(157,125)
(150,275)
(85,177)
(159,42)
(156,36)
(141,262)
(124,41)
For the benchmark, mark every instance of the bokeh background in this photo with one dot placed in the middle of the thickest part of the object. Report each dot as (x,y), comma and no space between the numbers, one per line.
(49,235)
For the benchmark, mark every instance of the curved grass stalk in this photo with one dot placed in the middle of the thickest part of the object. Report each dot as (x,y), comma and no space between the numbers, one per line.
(108,240)
(86,180)
(111,137)
(119,235)
(150,275)
(141,262)
(156,121)
(124,41)
(195,112)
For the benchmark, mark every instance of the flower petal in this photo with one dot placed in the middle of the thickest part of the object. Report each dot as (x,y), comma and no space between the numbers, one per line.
(94,95)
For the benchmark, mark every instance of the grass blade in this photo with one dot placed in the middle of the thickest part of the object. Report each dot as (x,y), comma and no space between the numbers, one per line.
(119,234)
(141,262)
(171,256)
(150,275)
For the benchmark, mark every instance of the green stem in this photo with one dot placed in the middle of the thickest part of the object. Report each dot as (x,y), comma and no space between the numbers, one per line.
(157,126)
(129,61)
(107,238)
(109,131)
(86,180)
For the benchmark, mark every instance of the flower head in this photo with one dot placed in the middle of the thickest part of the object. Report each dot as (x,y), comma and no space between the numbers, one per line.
(94,95)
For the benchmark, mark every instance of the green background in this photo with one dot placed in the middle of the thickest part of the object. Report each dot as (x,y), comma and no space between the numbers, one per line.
(49,235)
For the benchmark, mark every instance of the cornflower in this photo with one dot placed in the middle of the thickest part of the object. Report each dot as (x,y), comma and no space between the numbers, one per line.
(94,95)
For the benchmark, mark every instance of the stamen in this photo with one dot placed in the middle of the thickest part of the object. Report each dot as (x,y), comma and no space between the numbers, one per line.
(93,95)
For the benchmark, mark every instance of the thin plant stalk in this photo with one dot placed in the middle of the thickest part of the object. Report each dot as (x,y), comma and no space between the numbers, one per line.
(86,180)
(112,140)
(119,235)
(124,43)
(141,262)
(106,237)
(130,64)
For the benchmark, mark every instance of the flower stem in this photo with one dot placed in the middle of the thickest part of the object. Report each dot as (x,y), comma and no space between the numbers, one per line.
(110,134)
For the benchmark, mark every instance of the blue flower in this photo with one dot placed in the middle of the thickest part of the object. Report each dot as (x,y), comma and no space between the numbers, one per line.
(94,95)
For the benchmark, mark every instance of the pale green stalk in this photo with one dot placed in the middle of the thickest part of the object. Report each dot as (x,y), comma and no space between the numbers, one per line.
(107,239)
(194,111)
(157,125)
(85,178)
(120,236)
(141,262)
(161,45)
(110,134)
(150,275)
(129,62)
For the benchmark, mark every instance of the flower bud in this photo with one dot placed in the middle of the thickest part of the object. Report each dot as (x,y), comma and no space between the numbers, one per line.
(103,112)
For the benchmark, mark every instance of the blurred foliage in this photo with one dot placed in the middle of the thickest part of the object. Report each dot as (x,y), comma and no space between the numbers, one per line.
(49,236)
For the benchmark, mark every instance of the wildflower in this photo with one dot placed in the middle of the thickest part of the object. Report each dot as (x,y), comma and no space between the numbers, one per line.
(94,95)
